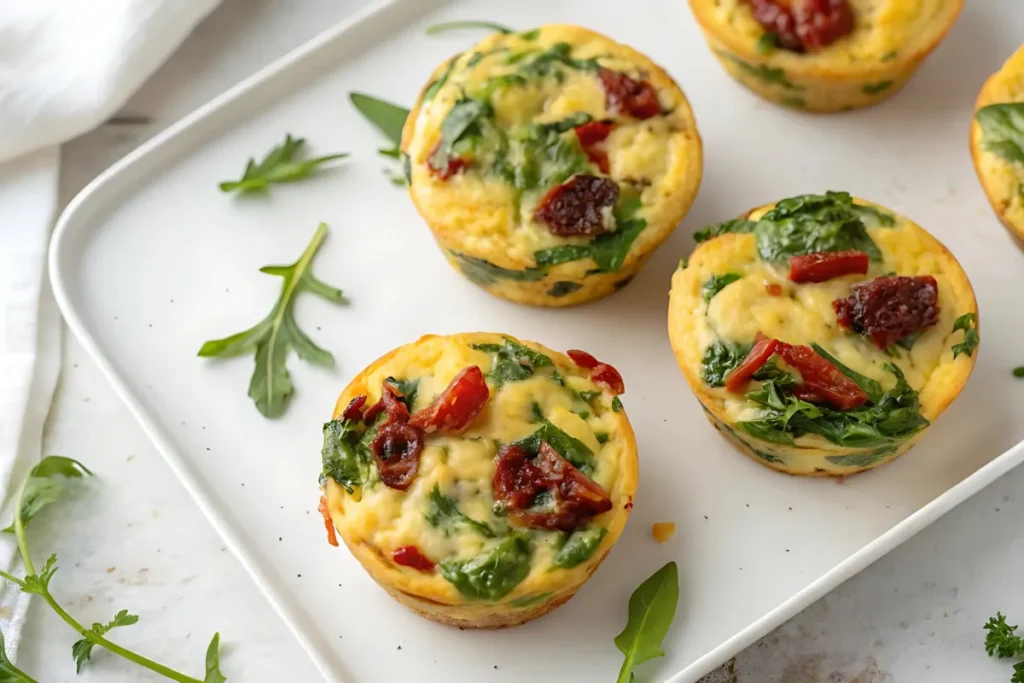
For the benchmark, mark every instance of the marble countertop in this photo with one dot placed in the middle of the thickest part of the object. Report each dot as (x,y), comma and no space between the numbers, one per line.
(137,541)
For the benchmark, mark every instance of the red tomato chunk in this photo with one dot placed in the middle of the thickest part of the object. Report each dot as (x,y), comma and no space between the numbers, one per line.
(625,94)
(455,407)
(824,266)
(578,207)
(804,25)
(410,556)
(763,349)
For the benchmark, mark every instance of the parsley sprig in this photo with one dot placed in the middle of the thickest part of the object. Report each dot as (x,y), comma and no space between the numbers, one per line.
(273,337)
(1001,640)
(47,483)
(279,166)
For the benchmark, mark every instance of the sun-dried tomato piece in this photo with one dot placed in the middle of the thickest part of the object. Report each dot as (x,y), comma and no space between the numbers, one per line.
(760,353)
(454,165)
(821,379)
(581,206)
(824,266)
(582,359)
(519,480)
(332,536)
(457,406)
(889,308)
(600,373)
(804,25)
(591,135)
(624,94)
(354,410)
(390,403)
(397,448)
(411,556)
(607,376)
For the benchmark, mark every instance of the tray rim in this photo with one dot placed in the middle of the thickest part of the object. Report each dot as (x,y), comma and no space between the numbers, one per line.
(75,217)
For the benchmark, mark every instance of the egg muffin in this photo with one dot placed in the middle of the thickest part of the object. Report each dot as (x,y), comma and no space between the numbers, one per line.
(550,164)
(822,334)
(480,479)
(824,55)
(997,143)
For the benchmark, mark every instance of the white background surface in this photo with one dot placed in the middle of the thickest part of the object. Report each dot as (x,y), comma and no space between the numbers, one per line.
(921,607)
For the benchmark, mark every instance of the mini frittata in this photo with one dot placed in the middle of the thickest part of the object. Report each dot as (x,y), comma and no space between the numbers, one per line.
(997,142)
(550,164)
(480,479)
(823,334)
(824,55)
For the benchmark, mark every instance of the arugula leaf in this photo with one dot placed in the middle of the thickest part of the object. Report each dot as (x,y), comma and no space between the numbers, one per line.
(493,574)
(388,118)
(872,388)
(530,600)
(716,283)
(443,512)
(82,649)
(768,74)
(1002,127)
(273,337)
(651,610)
(279,166)
(968,322)
(767,43)
(589,395)
(459,25)
(609,251)
(873,217)
(345,459)
(483,272)
(719,359)
(213,674)
(875,88)
(580,546)
(772,371)
(616,404)
(39,584)
(43,489)
(735,225)
(810,224)
(544,63)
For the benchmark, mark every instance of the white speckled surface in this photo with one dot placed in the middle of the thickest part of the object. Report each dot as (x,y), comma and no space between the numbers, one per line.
(136,541)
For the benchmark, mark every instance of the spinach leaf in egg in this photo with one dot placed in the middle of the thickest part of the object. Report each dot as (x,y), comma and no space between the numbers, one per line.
(1002,127)
(343,460)
(716,283)
(968,322)
(513,361)
(580,546)
(492,574)
(720,357)
(735,225)
(443,513)
(407,387)
(811,224)
(569,447)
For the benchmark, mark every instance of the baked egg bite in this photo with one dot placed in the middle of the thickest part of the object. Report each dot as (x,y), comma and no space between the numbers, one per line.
(550,164)
(822,334)
(479,479)
(997,143)
(824,55)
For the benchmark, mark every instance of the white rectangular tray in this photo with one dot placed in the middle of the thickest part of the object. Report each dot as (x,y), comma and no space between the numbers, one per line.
(151,260)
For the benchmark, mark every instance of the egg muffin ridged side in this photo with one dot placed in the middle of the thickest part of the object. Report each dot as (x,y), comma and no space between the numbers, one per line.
(841,370)
(862,63)
(997,143)
(550,164)
(512,504)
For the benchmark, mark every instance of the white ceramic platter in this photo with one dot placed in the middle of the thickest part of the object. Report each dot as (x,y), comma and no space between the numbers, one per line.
(151,260)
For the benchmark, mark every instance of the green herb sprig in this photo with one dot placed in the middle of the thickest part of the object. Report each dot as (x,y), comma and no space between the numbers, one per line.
(273,337)
(279,166)
(47,484)
(652,607)
(1002,641)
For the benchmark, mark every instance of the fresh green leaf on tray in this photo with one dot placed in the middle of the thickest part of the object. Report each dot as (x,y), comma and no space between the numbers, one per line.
(279,166)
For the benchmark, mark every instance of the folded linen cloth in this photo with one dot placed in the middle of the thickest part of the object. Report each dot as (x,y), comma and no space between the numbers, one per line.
(65,67)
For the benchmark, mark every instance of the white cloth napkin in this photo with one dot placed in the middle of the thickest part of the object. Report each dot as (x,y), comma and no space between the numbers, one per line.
(65,66)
